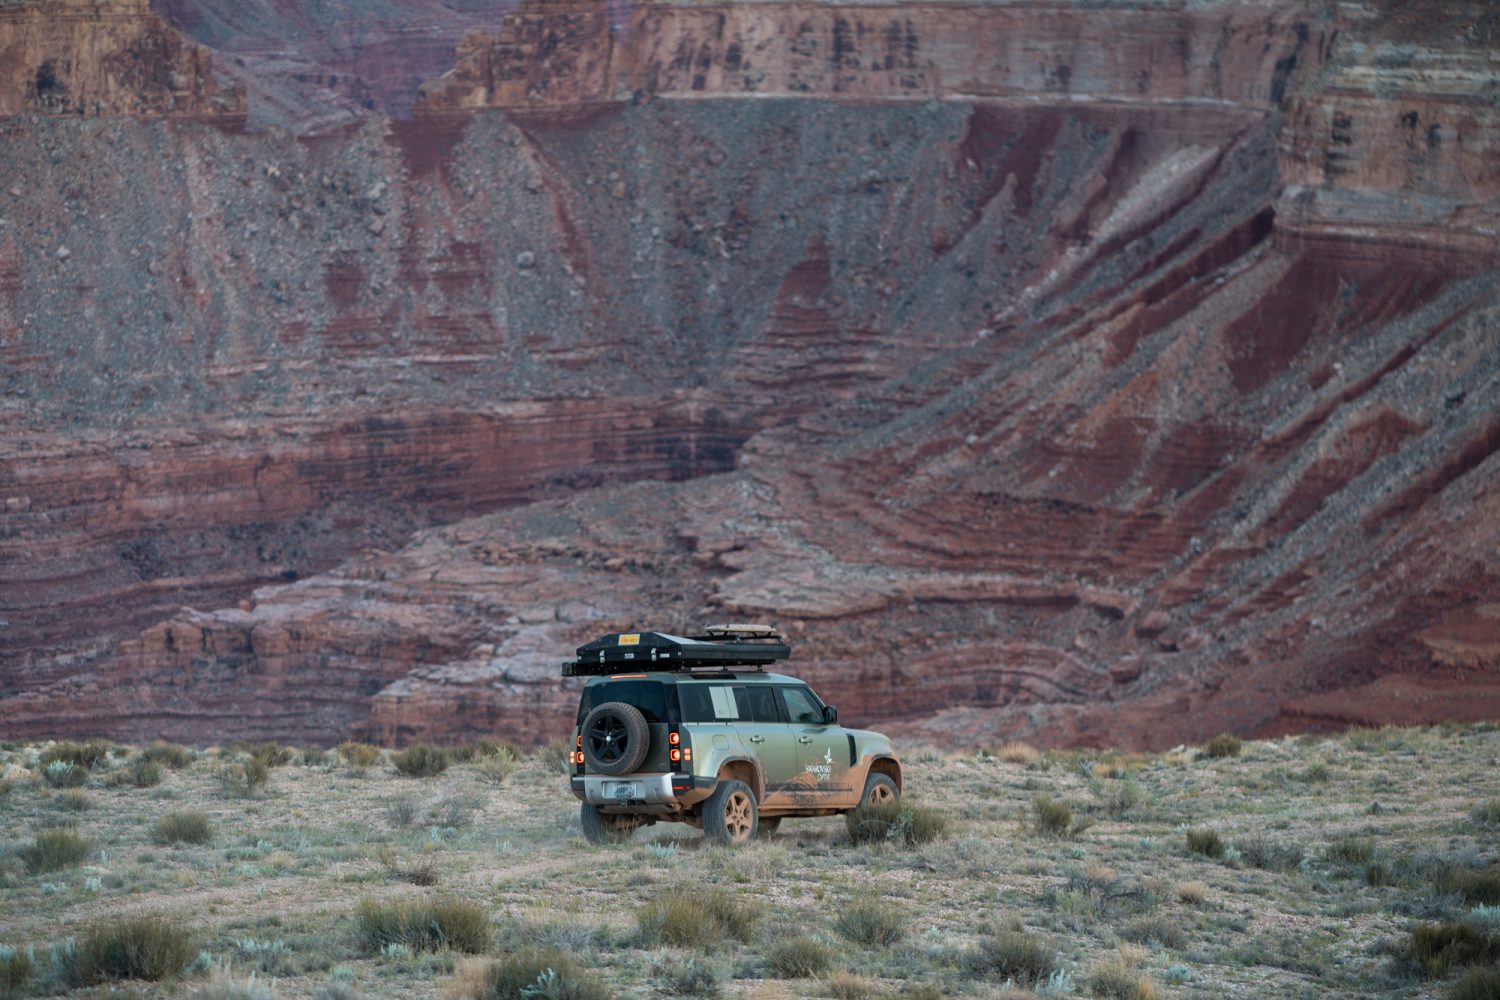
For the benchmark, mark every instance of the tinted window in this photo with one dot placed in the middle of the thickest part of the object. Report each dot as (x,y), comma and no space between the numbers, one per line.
(762,701)
(801,705)
(708,702)
(653,698)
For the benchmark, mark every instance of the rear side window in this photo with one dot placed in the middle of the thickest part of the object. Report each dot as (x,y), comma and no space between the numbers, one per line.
(713,702)
(657,701)
(762,704)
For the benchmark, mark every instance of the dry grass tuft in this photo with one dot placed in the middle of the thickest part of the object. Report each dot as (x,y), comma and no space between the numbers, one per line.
(56,848)
(1192,893)
(1115,976)
(799,958)
(1223,745)
(527,974)
(898,822)
(1016,752)
(359,755)
(1205,842)
(420,761)
(171,755)
(143,947)
(1053,818)
(189,827)
(423,925)
(699,919)
(1440,949)
(1012,954)
(873,923)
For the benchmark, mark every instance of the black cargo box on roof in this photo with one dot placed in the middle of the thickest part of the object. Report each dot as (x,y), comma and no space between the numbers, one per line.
(629,651)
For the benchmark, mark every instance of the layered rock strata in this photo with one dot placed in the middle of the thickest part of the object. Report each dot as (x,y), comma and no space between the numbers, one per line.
(1125,404)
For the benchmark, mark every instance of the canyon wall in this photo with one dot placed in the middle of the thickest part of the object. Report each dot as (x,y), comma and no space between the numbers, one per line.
(1086,373)
(103,57)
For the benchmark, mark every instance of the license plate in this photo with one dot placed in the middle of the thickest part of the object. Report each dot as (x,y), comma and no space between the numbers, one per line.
(625,790)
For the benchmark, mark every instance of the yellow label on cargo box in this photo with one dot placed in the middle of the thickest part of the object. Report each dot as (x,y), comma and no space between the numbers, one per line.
(630,639)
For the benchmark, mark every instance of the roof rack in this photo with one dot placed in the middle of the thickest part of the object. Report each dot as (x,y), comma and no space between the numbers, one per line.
(719,647)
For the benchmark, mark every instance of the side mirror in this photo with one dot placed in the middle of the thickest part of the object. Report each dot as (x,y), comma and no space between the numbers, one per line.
(830,715)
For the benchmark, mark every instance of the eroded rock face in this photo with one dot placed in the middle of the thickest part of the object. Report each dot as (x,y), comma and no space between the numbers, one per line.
(1122,405)
(85,57)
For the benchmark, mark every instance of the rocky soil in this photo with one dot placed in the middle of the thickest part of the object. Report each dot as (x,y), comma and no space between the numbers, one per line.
(1097,374)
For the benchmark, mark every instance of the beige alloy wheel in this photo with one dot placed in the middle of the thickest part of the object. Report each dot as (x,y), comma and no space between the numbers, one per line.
(879,793)
(730,816)
(738,819)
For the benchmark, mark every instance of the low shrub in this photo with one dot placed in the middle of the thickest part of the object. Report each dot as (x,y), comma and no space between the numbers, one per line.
(1012,954)
(172,755)
(143,947)
(1192,893)
(64,774)
(15,969)
(1115,976)
(1475,885)
(1440,949)
(224,985)
(420,761)
(1477,984)
(6,785)
(423,925)
(870,922)
(244,779)
(895,822)
(1351,849)
(527,974)
(74,800)
(1154,929)
(1270,855)
(1486,815)
(421,872)
(799,958)
(83,755)
(191,827)
(358,755)
(402,811)
(271,752)
(844,985)
(1017,752)
(1223,745)
(691,976)
(556,757)
(1205,842)
(1053,818)
(141,773)
(314,757)
(697,919)
(56,848)
(496,768)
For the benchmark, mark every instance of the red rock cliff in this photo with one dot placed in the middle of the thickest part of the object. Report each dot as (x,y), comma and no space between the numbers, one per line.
(103,57)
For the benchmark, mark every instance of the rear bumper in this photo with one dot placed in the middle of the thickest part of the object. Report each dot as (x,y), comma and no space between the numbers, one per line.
(642,792)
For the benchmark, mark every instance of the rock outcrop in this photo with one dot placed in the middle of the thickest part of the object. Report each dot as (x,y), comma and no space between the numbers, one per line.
(103,57)
(1126,402)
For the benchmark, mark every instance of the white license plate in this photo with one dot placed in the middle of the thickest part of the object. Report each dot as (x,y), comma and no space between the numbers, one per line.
(625,790)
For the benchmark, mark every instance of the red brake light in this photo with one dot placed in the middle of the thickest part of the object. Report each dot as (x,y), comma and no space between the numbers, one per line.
(676,754)
(674,738)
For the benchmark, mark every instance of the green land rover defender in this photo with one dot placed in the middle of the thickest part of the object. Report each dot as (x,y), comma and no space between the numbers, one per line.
(694,730)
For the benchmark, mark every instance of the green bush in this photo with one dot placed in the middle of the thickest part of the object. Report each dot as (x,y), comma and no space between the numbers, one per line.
(64,774)
(1478,984)
(1271,855)
(690,976)
(556,757)
(146,947)
(1205,842)
(697,919)
(1475,885)
(529,974)
(1486,815)
(799,958)
(420,761)
(359,754)
(246,778)
(870,922)
(1439,949)
(423,925)
(141,773)
(56,848)
(273,753)
(313,757)
(1223,745)
(1012,954)
(1154,929)
(897,822)
(1351,849)
(15,970)
(82,755)
(171,755)
(192,827)
(1051,818)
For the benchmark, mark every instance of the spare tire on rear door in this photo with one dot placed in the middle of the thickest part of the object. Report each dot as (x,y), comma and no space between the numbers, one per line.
(615,738)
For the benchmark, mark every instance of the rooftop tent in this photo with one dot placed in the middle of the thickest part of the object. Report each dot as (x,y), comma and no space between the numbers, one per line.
(723,646)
